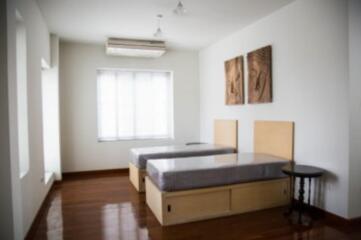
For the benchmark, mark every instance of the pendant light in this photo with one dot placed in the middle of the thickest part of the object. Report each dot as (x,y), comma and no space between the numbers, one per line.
(158,33)
(180,9)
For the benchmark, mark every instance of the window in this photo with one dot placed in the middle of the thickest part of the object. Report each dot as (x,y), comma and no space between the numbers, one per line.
(134,105)
(22,95)
(50,108)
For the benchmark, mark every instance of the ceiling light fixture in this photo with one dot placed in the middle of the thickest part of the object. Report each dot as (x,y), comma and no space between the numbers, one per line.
(180,9)
(158,33)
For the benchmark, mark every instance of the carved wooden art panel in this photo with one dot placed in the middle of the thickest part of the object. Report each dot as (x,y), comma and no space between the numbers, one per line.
(234,81)
(260,75)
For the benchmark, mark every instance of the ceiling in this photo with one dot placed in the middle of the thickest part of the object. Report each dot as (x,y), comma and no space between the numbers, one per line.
(206,21)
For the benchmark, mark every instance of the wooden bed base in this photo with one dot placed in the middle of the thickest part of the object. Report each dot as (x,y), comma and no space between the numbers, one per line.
(137,177)
(192,205)
(270,137)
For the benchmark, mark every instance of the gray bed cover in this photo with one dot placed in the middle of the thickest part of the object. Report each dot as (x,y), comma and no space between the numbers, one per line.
(139,156)
(210,171)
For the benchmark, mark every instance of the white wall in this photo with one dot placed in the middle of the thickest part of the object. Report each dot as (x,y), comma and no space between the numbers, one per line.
(51,117)
(29,191)
(310,87)
(355,107)
(78,65)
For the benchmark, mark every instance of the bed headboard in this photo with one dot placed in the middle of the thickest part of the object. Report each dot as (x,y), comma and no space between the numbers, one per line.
(226,133)
(275,138)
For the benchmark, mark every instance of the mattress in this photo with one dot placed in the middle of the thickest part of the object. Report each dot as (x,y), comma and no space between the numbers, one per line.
(140,156)
(210,171)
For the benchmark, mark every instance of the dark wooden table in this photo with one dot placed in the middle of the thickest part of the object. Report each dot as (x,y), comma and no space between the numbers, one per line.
(302,172)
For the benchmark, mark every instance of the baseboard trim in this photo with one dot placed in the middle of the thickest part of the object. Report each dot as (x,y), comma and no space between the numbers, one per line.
(338,220)
(333,218)
(355,221)
(32,230)
(329,217)
(96,173)
(56,183)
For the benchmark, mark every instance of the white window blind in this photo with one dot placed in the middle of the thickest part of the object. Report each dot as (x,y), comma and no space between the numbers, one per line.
(134,105)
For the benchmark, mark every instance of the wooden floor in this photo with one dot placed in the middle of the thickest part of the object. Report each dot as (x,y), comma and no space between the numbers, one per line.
(107,207)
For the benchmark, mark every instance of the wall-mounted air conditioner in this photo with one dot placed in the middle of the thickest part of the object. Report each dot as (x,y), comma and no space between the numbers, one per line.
(135,48)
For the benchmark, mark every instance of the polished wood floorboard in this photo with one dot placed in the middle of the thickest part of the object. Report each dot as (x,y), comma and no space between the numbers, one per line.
(108,207)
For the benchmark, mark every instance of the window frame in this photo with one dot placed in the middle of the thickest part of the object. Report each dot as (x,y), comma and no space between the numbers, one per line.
(134,138)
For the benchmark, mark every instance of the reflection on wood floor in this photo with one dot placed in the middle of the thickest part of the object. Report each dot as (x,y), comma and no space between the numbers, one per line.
(107,207)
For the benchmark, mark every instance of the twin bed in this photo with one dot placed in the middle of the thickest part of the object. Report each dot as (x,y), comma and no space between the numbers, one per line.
(225,141)
(199,186)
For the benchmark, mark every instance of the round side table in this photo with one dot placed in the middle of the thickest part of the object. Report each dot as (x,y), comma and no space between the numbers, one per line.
(302,172)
